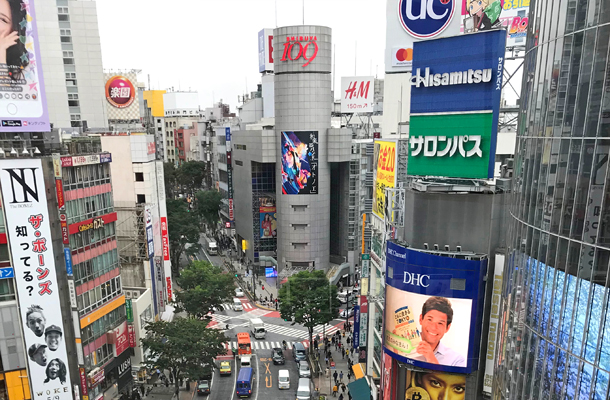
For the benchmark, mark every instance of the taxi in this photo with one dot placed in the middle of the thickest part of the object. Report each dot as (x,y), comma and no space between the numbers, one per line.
(225,368)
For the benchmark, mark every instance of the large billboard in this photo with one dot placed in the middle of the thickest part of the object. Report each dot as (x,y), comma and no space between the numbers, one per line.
(29,232)
(484,15)
(433,309)
(357,94)
(23,102)
(409,21)
(299,162)
(268,221)
(455,105)
(120,91)
(435,385)
(384,169)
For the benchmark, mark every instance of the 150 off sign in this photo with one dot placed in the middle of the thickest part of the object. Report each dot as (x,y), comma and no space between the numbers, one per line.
(298,47)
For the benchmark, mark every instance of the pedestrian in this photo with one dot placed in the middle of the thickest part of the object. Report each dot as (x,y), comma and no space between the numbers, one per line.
(335,389)
(271,296)
(349,375)
(341,377)
(276,305)
(343,387)
(341,396)
(334,339)
(335,376)
(351,351)
(347,350)
(326,362)
(316,394)
(339,344)
(348,340)
(342,355)
(349,396)
(327,372)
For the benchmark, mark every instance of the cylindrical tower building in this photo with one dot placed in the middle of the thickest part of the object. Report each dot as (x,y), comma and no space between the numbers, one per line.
(554,334)
(303,101)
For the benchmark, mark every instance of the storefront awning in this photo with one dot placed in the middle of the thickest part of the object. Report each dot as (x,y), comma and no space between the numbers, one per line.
(359,389)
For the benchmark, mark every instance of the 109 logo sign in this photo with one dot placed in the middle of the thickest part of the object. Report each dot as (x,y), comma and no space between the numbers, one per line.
(424,19)
(302,44)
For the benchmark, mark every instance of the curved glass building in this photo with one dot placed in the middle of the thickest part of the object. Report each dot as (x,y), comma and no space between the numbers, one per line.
(554,334)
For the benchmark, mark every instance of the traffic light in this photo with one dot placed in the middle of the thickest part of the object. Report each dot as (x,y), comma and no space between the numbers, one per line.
(236,275)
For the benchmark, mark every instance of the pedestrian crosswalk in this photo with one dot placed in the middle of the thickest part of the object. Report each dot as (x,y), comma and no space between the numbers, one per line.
(265,345)
(245,304)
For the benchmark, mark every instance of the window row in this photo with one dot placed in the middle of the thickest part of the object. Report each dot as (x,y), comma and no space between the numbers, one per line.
(86,176)
(89,207)
(92,236)
(98,296)
(95,267)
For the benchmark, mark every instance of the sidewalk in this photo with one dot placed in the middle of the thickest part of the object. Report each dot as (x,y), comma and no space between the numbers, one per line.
(325,383)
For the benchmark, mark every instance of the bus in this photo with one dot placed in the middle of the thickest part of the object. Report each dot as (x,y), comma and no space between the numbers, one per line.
(243,385)
(243,343)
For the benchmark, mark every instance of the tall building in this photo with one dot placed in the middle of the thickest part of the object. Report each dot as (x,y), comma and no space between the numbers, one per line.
(182,112)
(554,335)
(72,63)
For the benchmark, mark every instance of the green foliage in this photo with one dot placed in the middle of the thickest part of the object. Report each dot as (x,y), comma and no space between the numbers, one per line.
(182,228)
(191,174)
(171,183)
(204,287)
(309,299)
(207,206)
(185,347)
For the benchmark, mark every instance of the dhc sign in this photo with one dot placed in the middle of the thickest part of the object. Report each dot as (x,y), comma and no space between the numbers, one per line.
(425,19)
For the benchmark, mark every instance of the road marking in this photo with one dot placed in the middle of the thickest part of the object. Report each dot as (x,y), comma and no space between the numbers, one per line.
(267,371)
(234,380)
(268,381)
(256,395)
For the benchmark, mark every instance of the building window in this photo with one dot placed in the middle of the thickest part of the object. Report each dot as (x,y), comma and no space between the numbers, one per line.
(237,162)
(63,17)
(74,117)
(68,54)
(65,32)
(65,39)
(139,177)
(141,199)
(73,99)
(68,61)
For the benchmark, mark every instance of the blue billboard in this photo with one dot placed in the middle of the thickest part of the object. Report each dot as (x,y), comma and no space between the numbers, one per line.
(433,311)
(456,87)
(356,342)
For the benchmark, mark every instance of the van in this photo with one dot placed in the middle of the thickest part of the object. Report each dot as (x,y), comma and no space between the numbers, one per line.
(298,352)
(243,386)
(237,306)
(304,389)
(283,379)
(257,327)
(212,248)
(245,361)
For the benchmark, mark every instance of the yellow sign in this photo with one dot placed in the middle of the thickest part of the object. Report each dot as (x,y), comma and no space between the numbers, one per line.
(385,169)
(244,244)
(100,312)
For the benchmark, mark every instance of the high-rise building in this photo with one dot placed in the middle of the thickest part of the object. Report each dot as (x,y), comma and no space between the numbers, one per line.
(72,63)
(554,335)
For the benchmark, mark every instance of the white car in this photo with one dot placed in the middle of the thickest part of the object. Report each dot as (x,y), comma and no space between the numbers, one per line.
(239,292)
(346,313)
(304,371)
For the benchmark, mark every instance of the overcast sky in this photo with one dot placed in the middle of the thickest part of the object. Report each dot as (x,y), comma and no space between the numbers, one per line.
(211,45)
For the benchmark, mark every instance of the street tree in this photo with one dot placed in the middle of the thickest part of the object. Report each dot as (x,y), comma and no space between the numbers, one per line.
(308,298)
(183,229)
(203,287)
(171,183)
(184,346)
(207,206)
(191,174)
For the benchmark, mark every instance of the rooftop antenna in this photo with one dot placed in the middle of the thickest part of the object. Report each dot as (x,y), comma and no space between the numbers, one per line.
(276,13)
(334,60)
(356,59)
(303,12)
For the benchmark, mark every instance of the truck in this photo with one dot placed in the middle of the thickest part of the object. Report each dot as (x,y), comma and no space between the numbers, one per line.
(257,327)
(212,248)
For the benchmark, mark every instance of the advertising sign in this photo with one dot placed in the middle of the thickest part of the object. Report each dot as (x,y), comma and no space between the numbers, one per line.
(132,335)
(68,259)
(356,334)
(300,48)
(384,168)
(59,191)
(129,310)
(65,235)
(299,162)
(23,102)
(93,223)
(433,309)
(494,323)
(364,317)
(358,94)
(265,50)
(270,272)
(150,240)
(455,103)
(77,161)
(120,92)
(268,222)
(121,339)
(83,382)
(229,173)
(29,232)
(409,21)
(168,284)
(386,380)
(165,238)
(434,385)
(366,265)
(511,15)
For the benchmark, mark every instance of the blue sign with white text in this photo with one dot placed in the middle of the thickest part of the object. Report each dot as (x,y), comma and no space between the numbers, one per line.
(228,134)
(6,273)
(356,327)
(68,258)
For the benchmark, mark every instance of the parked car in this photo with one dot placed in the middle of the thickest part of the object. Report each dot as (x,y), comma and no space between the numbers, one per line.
(225,368)
(277,354)
(203,387)
(304,371)
(347,313)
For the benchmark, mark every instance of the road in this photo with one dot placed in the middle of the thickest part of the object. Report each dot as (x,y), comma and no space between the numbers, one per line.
(265,385)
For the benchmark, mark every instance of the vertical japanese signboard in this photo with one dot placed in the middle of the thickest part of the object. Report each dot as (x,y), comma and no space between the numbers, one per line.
(150,244)
(29,233)
(384,169)
(229,172)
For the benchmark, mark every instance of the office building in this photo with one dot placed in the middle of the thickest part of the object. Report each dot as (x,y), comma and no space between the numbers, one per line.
(554,332)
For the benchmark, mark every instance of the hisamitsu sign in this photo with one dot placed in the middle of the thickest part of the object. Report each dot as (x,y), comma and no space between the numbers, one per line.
(455,103)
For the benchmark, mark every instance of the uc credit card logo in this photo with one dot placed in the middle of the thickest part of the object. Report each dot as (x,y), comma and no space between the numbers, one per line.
(424,19)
